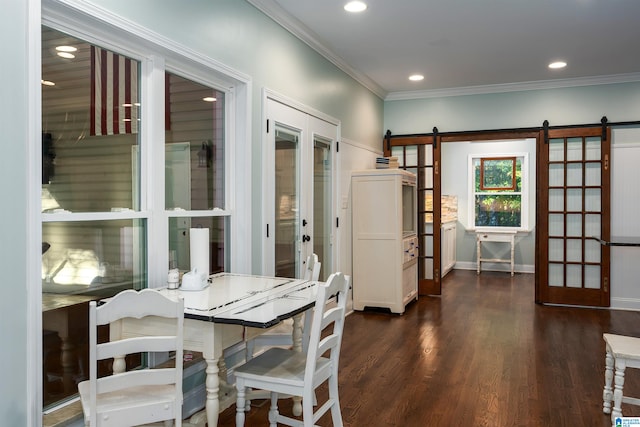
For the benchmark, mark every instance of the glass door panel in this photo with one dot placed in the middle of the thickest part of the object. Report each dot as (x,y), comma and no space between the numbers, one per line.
(287,180)
(417,155)
(322,196)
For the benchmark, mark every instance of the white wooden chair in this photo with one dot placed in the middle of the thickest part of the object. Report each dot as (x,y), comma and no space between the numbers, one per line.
(139,396)
(621,352)
(285,371)
(282,334)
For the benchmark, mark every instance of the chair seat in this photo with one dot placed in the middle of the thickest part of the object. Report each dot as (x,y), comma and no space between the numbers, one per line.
(155,401)
(282,366)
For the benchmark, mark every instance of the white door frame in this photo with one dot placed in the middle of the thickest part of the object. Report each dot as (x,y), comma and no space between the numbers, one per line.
(306,154)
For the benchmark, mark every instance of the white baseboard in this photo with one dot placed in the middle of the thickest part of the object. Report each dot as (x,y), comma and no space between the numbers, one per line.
(632,304)
(494,266)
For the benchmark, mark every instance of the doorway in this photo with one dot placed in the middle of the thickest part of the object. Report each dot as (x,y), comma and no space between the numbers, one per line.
(299,190)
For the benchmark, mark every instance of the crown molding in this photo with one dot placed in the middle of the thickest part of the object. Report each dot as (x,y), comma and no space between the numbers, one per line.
(514,87)
(302,32)
(85,19)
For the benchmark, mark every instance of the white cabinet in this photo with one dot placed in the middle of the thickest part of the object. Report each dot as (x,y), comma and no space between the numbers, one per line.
(385,243)
(448,253)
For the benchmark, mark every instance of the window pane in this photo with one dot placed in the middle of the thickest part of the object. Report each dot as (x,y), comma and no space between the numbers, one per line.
(194,125)
(89,126)
(81,262)
(574,174)
(495,210)
(556,175)
(556,275)
(412,155)
(574,149)
(574,199)
(556,225)
(179,245)
(556,150)
(592,276)
(593,148)
(556,200)
(574,276)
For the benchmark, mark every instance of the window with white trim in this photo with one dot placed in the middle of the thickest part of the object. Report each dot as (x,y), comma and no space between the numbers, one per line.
(135,152)
(498,191)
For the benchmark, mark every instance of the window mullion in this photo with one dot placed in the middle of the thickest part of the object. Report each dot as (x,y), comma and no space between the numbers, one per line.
(152,169)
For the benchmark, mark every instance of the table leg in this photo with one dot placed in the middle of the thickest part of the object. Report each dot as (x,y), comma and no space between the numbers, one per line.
(297,346)
(617,390)
(212,384)
(478,251)
(607,393)
(513,247)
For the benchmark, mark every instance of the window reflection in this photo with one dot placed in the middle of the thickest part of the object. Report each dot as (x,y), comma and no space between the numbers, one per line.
(82,261)
(89,124)
(194,155)
(179,245)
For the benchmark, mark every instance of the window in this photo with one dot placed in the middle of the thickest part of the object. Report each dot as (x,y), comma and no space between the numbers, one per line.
(498,189)
(116,206)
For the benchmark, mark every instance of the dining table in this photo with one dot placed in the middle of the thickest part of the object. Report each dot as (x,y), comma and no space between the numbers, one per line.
(230,309)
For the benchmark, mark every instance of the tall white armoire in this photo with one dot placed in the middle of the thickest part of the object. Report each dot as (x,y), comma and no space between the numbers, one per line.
(385,243)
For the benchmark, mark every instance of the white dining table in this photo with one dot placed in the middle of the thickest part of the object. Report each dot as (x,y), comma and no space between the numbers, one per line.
(216,318)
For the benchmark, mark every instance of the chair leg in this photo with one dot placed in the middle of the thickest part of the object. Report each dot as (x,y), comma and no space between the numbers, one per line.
(617,391)
(307,412)
(249,349)
(240,406)
(336,413)
(607,393)
(273,410)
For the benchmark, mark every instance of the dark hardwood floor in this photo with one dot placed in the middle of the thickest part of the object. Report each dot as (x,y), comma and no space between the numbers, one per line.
(482,354)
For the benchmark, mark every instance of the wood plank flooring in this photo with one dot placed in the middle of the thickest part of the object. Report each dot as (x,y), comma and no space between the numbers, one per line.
(482,354)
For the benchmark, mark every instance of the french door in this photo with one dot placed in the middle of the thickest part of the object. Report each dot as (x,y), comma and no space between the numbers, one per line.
(299,190)
(573,206)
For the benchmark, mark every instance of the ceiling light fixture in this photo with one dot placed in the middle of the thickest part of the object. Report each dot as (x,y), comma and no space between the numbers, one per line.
(47,83)
(66,55)
(209,99)
(416,77)
(355,6)
(66,49)
(557,64)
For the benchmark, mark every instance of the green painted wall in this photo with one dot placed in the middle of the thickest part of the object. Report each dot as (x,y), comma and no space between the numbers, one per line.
(13,217)
(238,35)
(576,105)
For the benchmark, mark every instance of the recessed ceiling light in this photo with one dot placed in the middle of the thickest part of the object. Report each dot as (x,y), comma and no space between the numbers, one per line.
(66,55)
(416,77)
(355,6)
(66,49)
(47,83)
(209,99)
(557,64)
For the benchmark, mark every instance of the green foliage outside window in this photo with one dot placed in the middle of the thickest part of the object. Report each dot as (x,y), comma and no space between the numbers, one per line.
(499,208)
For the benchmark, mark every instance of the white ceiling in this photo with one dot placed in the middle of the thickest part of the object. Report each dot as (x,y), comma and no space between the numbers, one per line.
(470,46)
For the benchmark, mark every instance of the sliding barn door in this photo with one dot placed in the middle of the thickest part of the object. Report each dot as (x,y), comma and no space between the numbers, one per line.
(573,206)
(421,156)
